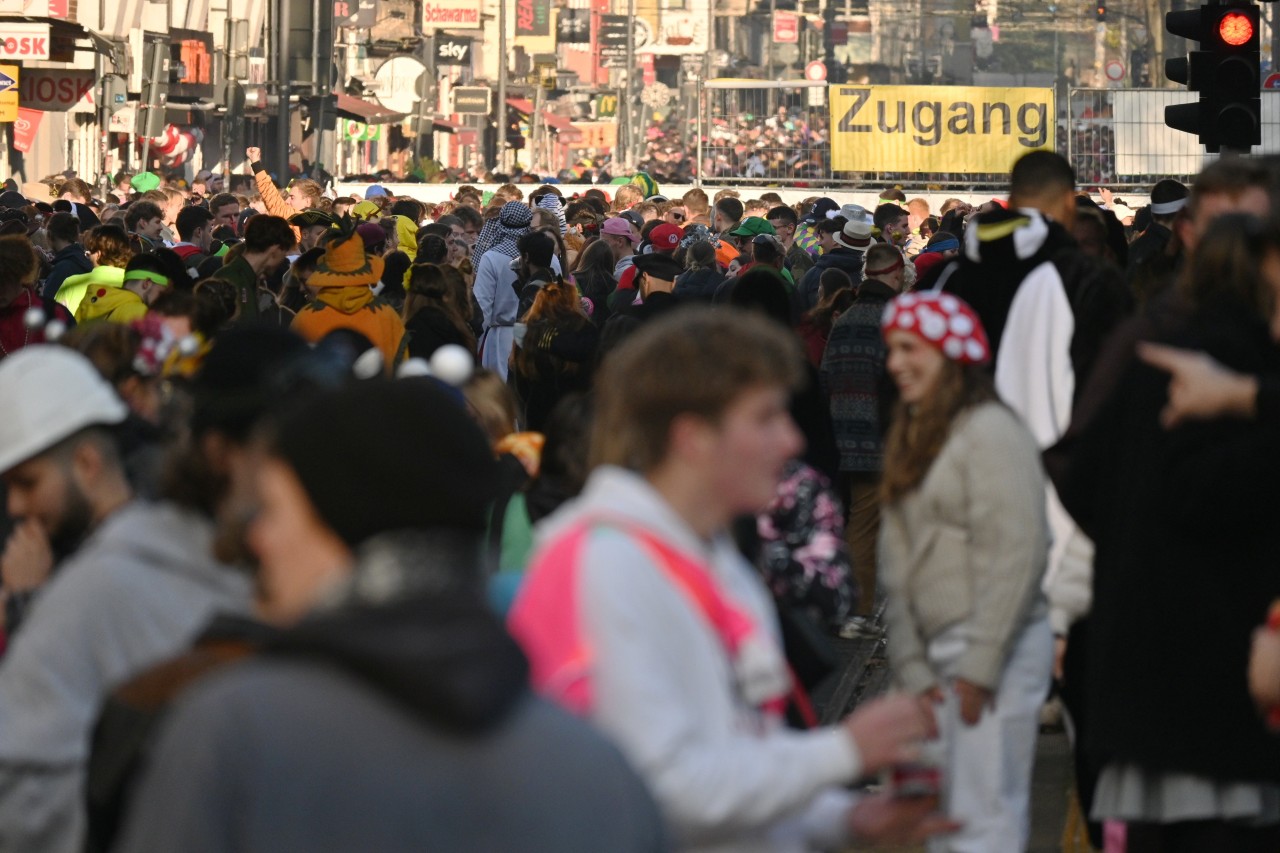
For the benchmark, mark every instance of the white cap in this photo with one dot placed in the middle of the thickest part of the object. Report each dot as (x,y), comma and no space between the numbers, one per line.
(49,393)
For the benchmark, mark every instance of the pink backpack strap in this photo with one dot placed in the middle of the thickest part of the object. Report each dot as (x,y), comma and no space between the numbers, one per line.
(545,621)
(732,625)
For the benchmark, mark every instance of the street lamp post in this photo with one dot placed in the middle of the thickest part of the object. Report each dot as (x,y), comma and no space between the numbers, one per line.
(501,135)
(283,88)
(628,102)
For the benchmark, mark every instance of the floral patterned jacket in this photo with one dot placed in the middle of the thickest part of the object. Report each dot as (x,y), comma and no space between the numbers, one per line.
(803,556)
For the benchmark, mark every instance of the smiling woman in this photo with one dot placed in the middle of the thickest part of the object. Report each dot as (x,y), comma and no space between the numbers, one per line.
(964,543)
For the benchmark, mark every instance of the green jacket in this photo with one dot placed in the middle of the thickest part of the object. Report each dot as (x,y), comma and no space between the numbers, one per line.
(239,273)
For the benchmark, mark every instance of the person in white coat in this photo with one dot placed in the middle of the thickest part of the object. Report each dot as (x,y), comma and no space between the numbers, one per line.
(494,255)
(639,613)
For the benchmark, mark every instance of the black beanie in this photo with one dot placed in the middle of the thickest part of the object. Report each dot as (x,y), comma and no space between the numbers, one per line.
(386,455)
(232,390)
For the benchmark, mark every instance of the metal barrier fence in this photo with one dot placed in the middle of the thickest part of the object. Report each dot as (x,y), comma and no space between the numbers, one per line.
(765,132)
(1118,138)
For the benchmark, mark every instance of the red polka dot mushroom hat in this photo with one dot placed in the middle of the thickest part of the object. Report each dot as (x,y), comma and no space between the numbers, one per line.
(941,320)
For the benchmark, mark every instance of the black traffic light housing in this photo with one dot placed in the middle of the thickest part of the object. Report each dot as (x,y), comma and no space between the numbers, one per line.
(1235,94)
(515,139)
(1225,71)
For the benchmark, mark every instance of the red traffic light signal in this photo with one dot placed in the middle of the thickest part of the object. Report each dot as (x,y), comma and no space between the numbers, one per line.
(1235,28)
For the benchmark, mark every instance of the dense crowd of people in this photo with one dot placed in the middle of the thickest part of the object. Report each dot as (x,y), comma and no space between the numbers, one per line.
(757,137)
(519,521)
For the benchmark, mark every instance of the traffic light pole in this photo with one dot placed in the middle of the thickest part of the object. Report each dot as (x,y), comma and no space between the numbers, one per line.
(283,89)
(628,103)
(156,69)
(500,134)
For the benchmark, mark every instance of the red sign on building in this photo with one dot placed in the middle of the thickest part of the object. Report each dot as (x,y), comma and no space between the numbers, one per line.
(24,129)
(786,27)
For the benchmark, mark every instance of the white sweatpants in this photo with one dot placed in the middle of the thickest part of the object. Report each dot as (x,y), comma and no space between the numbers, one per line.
(987,767)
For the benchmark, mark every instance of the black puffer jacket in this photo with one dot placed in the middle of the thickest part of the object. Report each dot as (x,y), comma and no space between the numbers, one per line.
(806,293)
(699,284)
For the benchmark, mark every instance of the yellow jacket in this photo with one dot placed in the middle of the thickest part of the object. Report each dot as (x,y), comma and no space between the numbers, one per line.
(73,289)
(114,304)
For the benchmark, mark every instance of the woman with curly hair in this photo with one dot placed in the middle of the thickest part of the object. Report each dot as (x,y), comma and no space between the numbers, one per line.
(108,247)
(555,347)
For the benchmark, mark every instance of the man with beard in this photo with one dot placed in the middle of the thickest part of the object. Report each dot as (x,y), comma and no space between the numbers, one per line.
(60,482)
(134,583)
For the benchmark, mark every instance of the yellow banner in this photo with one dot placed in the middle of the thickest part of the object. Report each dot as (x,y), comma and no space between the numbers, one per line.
(8,93)
(968,129)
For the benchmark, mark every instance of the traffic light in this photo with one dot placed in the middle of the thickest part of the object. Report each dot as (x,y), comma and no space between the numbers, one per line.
(1235,96)
(515,138)
(1102,11)
(1225,71)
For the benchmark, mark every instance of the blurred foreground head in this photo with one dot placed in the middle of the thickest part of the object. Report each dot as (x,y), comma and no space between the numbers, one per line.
(423,475)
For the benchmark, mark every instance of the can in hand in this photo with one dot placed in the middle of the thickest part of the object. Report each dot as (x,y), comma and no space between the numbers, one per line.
(916,779)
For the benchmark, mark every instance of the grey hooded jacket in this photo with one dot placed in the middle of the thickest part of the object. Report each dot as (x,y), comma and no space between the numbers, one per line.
(136,593)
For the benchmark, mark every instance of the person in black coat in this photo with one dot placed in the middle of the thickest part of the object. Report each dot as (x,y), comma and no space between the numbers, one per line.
(1185,565)
(69,257)
(436,310)
(851,244)
(763,290)
(1167,198)
(554,352)
(656,273)
(702,275)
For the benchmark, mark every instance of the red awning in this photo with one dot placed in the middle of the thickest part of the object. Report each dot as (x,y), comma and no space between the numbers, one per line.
(565,131)
(358,109)
(521,105)
(556,122)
